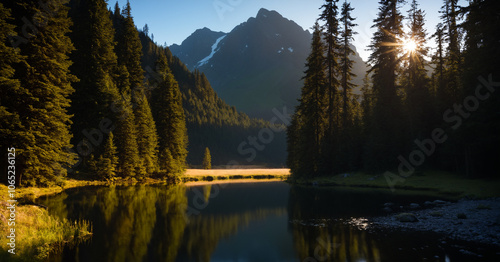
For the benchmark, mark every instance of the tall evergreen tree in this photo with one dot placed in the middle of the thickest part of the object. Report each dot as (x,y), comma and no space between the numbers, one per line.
(478,154)
(170,120)
(96,95)
(311,111)
(346,63)
(129,48)
(147,140)
(42,99)
(330,28)
(386,130)
(104,90)
(438,61)
(129,52)
(129,164)
(12,131)
(414,74)
(349,123)
(453,90)
(105,167)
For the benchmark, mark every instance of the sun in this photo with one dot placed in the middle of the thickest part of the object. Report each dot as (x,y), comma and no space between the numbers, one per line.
(409,46)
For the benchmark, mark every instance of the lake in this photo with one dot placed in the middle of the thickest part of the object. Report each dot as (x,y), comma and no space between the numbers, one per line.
(264,221)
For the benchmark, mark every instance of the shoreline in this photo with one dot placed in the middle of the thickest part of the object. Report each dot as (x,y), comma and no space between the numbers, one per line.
(438,182)
(466,220)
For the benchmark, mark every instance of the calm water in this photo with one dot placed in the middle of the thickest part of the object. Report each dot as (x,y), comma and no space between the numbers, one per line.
(242,222)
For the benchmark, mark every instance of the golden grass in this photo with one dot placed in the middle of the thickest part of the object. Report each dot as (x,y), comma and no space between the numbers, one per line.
(235,175)
(37,232)
(242,172)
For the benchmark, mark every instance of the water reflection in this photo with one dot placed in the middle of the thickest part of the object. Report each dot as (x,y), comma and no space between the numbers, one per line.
(151,223)
(319,232)
(241,222)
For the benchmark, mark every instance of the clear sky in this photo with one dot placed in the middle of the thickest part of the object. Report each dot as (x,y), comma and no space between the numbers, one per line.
(172,21)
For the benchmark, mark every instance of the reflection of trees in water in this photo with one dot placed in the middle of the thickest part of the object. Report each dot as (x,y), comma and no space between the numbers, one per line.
(325,240)
(125,218)
(168,230)
(147,223)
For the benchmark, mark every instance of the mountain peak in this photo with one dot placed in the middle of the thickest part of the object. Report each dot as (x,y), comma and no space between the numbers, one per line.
(264,13)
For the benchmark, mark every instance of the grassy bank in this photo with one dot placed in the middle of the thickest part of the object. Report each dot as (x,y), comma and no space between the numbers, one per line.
(36,232)
(194,175)
(440,182)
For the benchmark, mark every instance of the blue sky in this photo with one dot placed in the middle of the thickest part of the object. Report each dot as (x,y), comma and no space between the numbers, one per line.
(171,21)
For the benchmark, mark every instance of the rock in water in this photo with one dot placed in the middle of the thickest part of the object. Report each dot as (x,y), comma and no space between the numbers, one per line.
(406,217)
(414,206)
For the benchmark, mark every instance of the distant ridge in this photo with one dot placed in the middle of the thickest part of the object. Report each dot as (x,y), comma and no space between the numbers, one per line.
(257,66)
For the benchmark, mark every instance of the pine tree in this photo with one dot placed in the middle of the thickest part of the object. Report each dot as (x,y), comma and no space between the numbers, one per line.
(12,131)
(293,160)
(346,63)
(108,161)
(129,52)
(477,142)
(331,148)
(104,90)
(128,154)
(170,120)
(438,60)
(43,101)
(207,159)
(129,48)
(46,119)
(147,140)
(454,58)
(311,110)
(415,80)
(386,132)
(349,104)
(96,96)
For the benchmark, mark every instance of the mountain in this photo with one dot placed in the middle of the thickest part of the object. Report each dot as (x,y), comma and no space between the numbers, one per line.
(213,123)
(196,47)
(257,66)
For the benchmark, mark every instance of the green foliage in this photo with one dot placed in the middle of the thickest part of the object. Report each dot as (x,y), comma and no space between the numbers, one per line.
(147,140)
(105,167)
(400,104)
(40,130)
(129,52)
(128,154)
(322,137)
(309,122)
(170,119)
(385,139)
(210,121)
(207,159)
(11,127)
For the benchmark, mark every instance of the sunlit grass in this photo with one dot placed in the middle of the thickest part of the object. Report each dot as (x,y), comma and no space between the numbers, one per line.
(37,232)
(235,175)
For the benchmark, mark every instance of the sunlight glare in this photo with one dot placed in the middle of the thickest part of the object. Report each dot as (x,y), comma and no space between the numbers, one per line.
(410,46)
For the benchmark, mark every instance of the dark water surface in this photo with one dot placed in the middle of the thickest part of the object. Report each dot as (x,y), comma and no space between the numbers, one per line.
(270,221)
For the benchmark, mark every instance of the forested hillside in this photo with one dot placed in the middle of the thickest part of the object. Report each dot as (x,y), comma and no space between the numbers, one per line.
(211,122)
(84,93)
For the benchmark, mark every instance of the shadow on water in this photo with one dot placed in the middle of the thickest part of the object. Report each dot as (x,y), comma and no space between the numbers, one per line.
(245,222)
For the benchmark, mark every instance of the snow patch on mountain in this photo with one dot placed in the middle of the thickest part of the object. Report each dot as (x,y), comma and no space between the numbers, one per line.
(214,50)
